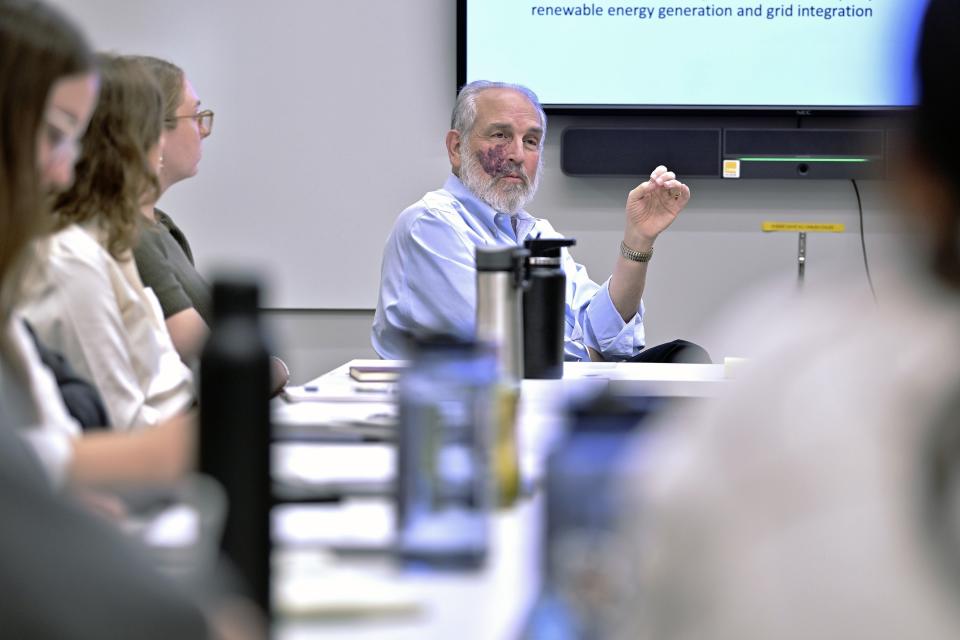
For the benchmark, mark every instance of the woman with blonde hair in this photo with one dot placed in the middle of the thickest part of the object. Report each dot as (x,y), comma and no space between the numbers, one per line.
(85,297)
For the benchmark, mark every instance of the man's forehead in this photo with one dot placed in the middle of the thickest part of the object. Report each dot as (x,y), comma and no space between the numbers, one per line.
(494,105)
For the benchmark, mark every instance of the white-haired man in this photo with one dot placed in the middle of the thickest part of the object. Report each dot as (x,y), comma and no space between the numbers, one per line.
(495,144)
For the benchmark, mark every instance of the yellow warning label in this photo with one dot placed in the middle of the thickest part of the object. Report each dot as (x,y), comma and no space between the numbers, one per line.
(731,168)
(822,227)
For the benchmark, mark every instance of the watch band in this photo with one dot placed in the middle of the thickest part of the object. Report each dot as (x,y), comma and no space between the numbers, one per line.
(636,256)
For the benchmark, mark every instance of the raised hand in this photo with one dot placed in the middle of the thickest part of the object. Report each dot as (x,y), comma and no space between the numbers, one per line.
(653,206)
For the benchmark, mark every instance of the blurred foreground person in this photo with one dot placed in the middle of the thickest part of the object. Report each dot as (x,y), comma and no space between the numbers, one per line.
(63,573)
(811,500)
(67,574)
(44,116)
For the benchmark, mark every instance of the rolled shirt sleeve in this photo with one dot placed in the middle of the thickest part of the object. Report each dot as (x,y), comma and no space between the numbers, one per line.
(592,320)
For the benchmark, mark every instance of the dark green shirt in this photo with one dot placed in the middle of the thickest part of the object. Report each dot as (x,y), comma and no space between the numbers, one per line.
(165,263)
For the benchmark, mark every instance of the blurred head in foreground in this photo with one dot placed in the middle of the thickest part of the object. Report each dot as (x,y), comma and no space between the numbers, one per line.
(48,88)
(803,501)
(930,181)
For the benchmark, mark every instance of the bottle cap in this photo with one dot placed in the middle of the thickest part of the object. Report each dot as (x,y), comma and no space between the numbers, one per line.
(500,258)
(547,247)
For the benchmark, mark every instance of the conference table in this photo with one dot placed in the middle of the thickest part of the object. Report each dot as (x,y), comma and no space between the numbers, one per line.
(334,573)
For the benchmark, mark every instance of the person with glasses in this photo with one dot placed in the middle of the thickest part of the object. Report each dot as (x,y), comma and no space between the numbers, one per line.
(495,146)
(84,296)
(163,254)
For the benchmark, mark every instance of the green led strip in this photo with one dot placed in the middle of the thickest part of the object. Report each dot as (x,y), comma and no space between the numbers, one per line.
(803,159)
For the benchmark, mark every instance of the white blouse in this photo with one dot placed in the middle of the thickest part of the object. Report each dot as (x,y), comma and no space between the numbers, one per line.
(96,312)
(32,402)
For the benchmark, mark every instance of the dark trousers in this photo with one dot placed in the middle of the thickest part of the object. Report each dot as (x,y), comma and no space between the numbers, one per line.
(675,351)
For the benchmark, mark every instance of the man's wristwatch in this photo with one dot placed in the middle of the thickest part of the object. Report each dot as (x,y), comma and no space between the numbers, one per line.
(636,256)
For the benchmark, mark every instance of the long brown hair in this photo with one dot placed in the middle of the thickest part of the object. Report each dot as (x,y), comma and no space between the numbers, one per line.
(169,78)
(113,174)
(38,46)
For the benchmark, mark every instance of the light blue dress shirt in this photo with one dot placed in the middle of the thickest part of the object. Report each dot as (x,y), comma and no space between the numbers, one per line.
(428,278)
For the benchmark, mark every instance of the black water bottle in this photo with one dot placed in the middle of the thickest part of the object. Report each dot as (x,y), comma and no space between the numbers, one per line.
(544,305)
(234,443)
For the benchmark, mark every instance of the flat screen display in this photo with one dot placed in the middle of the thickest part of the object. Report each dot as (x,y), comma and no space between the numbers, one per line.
(854,55)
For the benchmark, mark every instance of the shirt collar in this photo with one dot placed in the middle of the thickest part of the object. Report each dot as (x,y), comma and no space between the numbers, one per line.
(480,209)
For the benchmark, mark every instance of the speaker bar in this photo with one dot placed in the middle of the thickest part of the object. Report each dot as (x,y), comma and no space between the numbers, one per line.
(729,153)
(691,153)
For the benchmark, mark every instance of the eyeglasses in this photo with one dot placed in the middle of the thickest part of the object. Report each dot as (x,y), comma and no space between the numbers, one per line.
(204,121)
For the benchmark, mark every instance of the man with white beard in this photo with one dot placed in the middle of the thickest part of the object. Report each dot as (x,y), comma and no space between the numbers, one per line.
(428,274)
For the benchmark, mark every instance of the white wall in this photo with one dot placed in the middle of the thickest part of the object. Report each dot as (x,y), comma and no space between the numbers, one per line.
(330,120)
(329,117)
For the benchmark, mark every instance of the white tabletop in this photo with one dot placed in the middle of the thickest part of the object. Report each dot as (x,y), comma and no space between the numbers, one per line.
(320,595)
(371,597)
(334,392)
(633,371)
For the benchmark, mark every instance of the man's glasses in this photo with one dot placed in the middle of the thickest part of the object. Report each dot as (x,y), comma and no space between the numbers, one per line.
(204,121)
